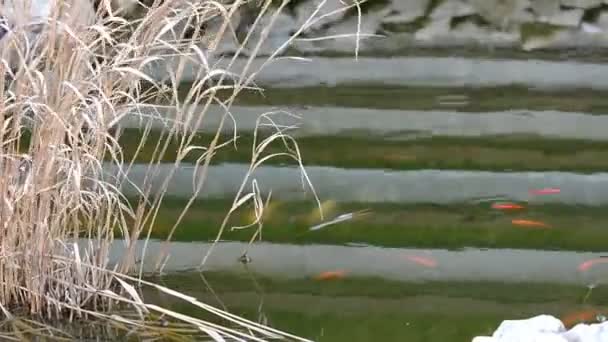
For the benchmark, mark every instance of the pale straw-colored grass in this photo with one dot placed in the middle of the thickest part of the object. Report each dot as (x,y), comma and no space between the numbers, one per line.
(72,78)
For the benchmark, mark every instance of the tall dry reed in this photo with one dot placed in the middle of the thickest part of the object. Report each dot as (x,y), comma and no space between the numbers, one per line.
(72,78)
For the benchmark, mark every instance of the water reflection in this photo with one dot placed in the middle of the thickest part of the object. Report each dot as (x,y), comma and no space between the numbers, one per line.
(286,261)
(376,185)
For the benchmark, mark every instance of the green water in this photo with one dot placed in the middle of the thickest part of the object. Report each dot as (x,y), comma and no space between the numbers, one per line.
(368,309)
(494,153)
(574,228)
(477,100)
(358,309)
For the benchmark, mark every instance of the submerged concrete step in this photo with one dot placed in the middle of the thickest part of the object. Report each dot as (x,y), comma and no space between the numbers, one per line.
(394,124)
(406,71)
(369,185)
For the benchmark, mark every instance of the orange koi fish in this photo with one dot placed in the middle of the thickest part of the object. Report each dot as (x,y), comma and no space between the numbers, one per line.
(530,223)
(507,206)
(331,275)
(545,191)
(589,316)
(589,263)
(422,261)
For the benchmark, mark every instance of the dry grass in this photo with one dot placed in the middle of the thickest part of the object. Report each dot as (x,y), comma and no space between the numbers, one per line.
(72,78)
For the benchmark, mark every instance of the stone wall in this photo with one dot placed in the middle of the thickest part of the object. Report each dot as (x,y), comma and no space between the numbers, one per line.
(516,24)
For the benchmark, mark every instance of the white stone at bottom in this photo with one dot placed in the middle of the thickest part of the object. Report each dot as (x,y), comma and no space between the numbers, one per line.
(546,328)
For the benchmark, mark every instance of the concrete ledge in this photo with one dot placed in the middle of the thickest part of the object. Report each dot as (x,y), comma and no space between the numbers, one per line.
(395,124)
(413,71)
(293,261)
(375,185)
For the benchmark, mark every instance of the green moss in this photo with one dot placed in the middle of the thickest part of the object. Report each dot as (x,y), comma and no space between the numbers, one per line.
(535,29)
(378,288)
(474,18)
(366,7)
(592,14)
(361,309)
(409,27)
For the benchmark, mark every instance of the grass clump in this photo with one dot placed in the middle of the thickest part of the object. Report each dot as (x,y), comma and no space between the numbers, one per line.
(72,74)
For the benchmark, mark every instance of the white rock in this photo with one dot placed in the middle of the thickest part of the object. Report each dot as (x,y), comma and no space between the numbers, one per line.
(485,35)
(591,29)
(571,17)
(18,10)
(347,29)
(582,3)
(523,16)
(540,323)
(602,20)
(436,28)
(452,8)
(415,8)
(400,18)
(545,328)
(305,10)
(282,28)
(533,336)
(539,42)
(124,6)
(32,15)
(484,339)
(545,8)
(500,12)
(588,333)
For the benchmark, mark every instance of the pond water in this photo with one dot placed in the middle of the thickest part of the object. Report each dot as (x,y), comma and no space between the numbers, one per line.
(435,260)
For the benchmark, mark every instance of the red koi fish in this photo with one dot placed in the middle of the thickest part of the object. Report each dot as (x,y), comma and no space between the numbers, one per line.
(545,191)
(331,275)
(507,206)
(589,263)
(422,261)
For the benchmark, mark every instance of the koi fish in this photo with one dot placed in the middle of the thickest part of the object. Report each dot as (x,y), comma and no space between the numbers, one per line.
(530,223)
(331,275)
(589,263)
(545,191)
(507,206)
(591,315)
(422,261)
